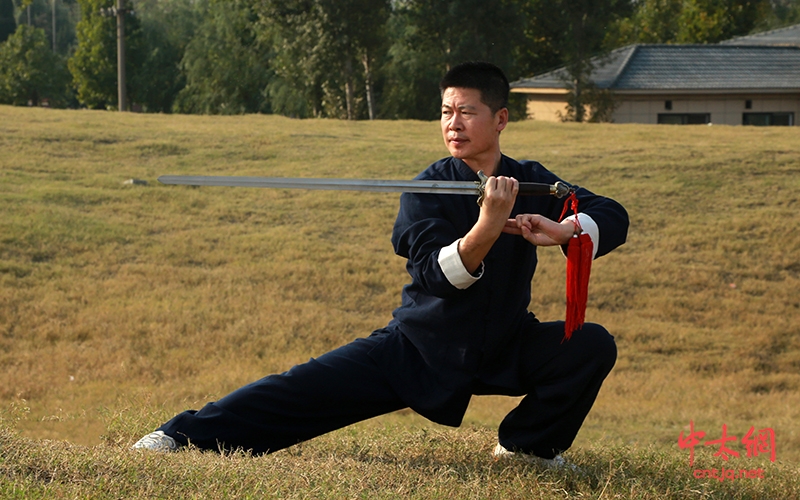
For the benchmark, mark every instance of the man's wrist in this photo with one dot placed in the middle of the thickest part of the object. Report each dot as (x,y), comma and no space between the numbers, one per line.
(587,225)
(454,269)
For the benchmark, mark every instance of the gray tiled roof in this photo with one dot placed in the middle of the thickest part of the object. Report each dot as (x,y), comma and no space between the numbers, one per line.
(733,66)
(698,67)
(783,36)
(606,72)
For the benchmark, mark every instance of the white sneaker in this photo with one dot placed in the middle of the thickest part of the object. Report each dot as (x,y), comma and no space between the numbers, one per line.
(157,441)
(557,462)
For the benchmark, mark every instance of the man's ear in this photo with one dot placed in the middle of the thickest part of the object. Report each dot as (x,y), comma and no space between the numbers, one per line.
(502,116)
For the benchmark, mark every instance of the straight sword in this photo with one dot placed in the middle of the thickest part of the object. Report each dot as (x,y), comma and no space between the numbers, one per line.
(559,189)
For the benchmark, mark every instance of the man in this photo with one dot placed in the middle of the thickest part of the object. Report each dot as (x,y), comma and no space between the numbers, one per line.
(463,327)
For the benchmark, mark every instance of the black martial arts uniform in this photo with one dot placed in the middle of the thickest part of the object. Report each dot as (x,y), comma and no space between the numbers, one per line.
(453,336)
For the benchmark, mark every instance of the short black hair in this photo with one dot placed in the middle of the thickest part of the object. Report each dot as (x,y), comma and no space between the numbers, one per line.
(483,76)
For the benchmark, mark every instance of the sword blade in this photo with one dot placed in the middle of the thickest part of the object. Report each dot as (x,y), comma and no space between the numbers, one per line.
(384,186)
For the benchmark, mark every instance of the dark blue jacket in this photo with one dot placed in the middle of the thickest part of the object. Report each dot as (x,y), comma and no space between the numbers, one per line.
(453,336)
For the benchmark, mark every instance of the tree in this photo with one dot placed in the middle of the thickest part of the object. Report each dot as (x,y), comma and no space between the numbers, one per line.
(167,28)
(94,63)
(39,13)
(574,31)
(711,21)
(7,23)
(319,44)
(466,30)
(361,24)
(412,75)
(226,66)
(782,13)
(30,72)
(307,70)
(654,21)
(693,21)
(431,36)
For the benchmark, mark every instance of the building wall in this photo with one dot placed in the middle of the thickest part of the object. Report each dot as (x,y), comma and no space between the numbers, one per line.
(547,108)
(725,109)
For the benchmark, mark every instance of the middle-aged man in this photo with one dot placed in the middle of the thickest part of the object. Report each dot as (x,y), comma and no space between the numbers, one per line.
(463,327)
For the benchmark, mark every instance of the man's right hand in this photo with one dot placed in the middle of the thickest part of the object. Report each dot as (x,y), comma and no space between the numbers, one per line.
(500,193)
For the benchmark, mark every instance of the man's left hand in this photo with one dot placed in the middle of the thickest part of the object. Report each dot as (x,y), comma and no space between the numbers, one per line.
(539,230)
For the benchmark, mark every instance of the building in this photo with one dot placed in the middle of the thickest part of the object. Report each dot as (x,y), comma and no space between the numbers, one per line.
(750,80)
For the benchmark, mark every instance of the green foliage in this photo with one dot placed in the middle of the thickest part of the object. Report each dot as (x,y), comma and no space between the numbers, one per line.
(156,38)
(30,72)
(327,49)
(7,23)
(159,79)
(575,32)
(412,73)
(430,36)
(226,67)
(167,27)
(39,13)
(692,21)
(304,70)
(94,63)
(288,99)
(361,59)
(465,30)
(711,21)
(654,21)
(586,102)
(783,13)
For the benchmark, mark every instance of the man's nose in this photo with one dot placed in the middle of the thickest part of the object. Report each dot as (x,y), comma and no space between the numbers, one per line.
(455,123)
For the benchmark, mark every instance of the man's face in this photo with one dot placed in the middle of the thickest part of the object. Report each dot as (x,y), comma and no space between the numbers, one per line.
(469,128)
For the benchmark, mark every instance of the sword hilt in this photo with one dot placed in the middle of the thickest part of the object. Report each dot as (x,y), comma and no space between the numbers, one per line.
(559,189)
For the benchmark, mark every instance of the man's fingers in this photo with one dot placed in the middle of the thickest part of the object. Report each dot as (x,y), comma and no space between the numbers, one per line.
(502,185)
(512,227)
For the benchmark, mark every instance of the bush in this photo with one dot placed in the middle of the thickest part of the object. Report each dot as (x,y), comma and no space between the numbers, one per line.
(30,72)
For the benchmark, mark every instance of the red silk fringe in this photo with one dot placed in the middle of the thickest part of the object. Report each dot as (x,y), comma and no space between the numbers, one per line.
(579,267)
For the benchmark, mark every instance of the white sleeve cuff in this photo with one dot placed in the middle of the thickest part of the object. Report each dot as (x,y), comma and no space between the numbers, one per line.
(589,226)
(453,268)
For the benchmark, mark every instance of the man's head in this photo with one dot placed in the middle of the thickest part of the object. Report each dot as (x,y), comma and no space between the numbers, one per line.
(474,113)
(482,76)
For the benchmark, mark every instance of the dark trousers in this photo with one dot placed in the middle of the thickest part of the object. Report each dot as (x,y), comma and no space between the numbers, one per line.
(560,381)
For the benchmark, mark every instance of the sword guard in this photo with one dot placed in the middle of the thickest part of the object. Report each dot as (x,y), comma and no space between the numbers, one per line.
(481,186)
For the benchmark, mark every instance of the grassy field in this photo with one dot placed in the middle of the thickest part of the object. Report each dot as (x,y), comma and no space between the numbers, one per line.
(121,305)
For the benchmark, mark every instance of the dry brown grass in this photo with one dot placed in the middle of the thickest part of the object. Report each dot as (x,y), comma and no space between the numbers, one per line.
(369,461)
(129,303)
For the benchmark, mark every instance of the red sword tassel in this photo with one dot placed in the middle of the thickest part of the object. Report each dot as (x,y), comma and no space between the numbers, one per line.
(579,267)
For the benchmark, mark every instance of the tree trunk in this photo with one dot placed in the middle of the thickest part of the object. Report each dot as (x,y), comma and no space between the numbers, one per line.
(368,80)
(579,109)
(349,93)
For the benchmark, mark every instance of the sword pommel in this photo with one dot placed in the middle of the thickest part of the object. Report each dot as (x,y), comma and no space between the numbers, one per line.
(561,189)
